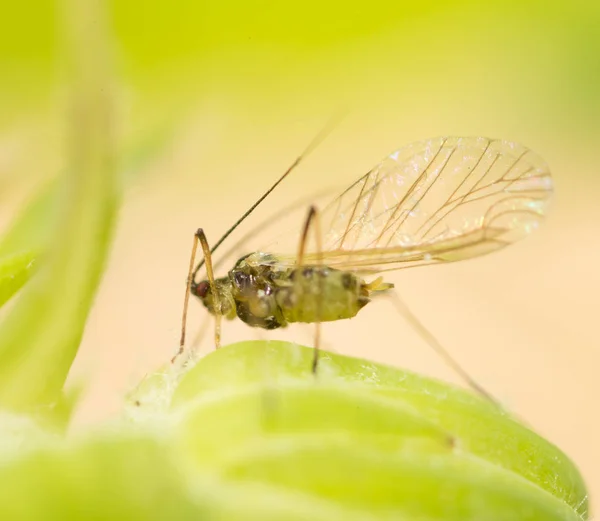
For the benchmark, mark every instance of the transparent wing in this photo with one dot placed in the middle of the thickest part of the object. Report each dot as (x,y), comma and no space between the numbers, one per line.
(439,200)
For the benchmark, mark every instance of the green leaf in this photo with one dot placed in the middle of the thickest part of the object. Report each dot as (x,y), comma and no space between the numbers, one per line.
(29,233)
(367,438)
(15,271)
(117,478)
(253,435)
(127,477)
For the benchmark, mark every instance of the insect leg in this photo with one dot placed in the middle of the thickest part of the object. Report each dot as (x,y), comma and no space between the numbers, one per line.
(200,237)
(194,345)
(433,342)
(313,219)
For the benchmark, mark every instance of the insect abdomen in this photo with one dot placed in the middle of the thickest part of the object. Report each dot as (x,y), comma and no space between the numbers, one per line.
(321,294)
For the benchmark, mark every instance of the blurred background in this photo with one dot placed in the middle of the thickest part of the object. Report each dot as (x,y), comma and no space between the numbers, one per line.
(216,99)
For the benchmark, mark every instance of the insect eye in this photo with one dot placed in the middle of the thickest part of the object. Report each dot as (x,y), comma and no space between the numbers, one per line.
(201,289)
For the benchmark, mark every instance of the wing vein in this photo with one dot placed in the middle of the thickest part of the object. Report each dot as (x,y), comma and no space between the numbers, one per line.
(392,219)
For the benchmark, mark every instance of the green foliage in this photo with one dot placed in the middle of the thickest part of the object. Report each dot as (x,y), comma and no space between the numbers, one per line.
(40,335)
(250,434)
(15,271)
(29,234)
(411,446)
(109,478)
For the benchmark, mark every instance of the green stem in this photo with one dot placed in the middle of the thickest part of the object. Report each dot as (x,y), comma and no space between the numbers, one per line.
(40,336)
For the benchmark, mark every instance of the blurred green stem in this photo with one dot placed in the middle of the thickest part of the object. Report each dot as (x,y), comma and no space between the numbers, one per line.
(40,337)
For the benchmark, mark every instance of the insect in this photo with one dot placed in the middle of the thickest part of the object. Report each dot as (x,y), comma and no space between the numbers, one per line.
(436,201)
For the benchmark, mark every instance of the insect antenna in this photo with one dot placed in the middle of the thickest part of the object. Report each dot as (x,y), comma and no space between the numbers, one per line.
(266,223)
(316,141)
(433,342)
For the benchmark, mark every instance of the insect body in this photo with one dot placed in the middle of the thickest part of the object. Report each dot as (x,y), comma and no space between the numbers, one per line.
(435,201)
(261,295)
